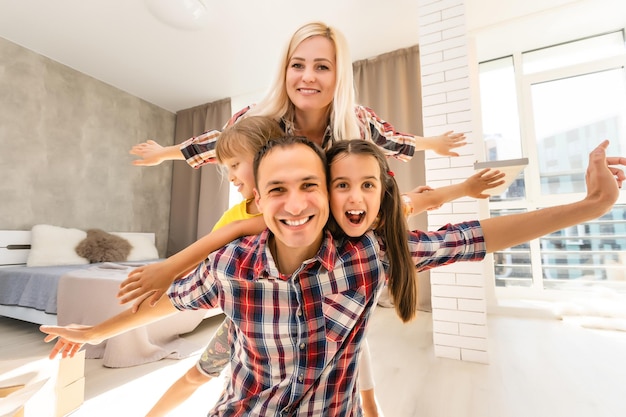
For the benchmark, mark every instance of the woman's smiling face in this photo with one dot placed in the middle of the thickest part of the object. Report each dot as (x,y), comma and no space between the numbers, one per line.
(355,192)
(311,74)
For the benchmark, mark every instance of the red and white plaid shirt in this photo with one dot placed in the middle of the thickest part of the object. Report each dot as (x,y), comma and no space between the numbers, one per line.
(295,340)
(200,150)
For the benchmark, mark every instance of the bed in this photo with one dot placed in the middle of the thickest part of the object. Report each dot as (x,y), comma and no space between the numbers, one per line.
(84,293)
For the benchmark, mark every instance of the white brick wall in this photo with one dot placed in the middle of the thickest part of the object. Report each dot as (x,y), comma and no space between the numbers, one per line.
(458,292)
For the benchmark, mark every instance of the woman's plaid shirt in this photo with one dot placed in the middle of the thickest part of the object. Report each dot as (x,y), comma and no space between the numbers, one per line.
(200,150)
(296,339)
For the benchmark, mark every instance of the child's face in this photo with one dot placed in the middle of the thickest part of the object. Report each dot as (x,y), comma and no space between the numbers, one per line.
(355,192)
(241,174)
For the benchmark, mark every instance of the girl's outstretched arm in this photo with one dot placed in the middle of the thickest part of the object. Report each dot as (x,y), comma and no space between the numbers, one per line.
(150,282)
(426,198)
(72,338)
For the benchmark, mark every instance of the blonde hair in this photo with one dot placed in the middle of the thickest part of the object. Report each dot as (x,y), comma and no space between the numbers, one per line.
(343,120)
(247,135)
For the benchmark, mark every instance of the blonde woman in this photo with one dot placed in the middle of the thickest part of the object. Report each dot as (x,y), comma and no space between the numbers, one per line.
(313,95)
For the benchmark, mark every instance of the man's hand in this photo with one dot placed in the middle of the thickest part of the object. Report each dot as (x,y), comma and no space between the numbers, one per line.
(601,178)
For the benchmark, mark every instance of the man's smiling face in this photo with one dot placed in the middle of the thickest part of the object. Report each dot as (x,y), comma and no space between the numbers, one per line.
(293,197)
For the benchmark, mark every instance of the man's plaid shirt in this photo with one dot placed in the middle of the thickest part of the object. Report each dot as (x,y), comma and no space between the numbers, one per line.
(295,339)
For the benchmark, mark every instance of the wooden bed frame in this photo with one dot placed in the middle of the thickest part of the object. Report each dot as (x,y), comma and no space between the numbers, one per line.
(14,247)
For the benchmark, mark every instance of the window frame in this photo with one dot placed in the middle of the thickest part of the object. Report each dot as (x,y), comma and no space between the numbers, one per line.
(534,200)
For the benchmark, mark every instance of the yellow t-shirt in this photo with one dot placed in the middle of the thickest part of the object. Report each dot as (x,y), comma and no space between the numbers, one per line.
(236,212)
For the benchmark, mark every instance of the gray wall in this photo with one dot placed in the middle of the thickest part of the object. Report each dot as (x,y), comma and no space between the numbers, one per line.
(64,142)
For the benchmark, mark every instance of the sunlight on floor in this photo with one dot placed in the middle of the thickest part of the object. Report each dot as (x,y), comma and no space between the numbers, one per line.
(149,388)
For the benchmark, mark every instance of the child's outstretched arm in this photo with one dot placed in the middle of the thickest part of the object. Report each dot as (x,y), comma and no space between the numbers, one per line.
(72,338)
(150,282)
(603,184)
(426,198)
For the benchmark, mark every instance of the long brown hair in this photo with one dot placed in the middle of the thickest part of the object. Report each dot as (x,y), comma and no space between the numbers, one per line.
(391,227)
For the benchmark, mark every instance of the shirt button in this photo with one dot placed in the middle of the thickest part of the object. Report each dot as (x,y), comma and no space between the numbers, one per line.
(302,345)
(300,378)
(299,313)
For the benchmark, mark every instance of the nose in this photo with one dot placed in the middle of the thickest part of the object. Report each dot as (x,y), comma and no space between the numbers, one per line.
(355,196)
(295,203)
(309,75)
(231,175)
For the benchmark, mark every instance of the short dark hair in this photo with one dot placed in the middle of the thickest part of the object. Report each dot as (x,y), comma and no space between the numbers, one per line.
(285,142)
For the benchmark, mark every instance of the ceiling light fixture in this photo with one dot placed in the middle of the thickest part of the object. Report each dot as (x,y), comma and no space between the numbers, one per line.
(180,14)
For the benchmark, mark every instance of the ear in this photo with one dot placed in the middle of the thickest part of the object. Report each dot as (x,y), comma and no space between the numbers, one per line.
(257,199)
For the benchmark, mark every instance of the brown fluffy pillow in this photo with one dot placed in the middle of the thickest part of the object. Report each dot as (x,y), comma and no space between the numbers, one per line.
(100,246)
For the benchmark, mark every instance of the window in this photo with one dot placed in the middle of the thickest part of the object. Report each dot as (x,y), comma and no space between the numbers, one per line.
(554,105)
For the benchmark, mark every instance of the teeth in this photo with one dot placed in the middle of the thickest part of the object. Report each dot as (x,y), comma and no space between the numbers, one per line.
(356,212)
(304,90)
(296,222)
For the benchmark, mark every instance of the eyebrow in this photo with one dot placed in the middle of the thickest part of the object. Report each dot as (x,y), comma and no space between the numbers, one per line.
(314,60)
(369,177)
(305,179)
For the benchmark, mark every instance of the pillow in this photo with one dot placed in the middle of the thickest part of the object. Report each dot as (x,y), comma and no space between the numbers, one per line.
(53,245)
(143,248)
(100,246)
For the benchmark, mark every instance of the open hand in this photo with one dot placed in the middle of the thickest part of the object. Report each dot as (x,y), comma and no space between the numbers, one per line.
(146,283)
(483,180)
(444,144)
(70,339)
(150,152)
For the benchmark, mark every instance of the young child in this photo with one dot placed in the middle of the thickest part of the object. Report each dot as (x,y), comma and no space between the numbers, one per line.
(235,152)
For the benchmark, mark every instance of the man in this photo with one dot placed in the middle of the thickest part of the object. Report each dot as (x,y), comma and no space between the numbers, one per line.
(300,302)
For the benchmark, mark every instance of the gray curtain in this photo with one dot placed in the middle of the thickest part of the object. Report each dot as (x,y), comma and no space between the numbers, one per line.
(390,84)
(192,211)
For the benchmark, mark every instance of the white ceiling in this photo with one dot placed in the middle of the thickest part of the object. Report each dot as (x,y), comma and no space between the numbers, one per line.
(120,43)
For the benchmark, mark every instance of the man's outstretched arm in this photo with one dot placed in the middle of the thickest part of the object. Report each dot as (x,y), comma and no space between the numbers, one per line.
(603,180)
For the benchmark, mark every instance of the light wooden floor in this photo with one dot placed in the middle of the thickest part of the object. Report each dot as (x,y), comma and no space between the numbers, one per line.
(538,368)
